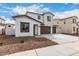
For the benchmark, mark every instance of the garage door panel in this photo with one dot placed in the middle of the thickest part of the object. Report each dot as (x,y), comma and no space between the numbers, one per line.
(45,30)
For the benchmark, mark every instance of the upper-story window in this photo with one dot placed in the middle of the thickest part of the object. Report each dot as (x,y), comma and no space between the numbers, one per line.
(64,22)
(57,22)
(73,20)
(39,17)
(48,18)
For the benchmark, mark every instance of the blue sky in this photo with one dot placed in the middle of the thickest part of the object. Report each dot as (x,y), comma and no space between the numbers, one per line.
(10,9)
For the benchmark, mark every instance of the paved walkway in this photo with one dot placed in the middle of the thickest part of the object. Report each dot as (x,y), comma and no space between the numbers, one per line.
(65,48)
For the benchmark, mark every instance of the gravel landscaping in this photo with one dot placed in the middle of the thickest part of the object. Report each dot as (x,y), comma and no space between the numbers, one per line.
(11,44)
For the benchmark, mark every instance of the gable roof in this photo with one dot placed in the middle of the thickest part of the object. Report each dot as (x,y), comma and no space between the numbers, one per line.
(41,14)
(49,13)
(28,17)
(33,13)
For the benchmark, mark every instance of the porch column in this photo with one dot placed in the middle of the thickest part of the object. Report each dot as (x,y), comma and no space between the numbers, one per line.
(51,29)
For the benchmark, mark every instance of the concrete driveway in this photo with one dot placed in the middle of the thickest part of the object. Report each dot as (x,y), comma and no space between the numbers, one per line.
(61,38)
(68,46)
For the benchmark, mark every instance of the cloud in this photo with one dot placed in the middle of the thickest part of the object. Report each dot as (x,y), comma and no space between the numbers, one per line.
(8,20)
(60,15)
(39,8)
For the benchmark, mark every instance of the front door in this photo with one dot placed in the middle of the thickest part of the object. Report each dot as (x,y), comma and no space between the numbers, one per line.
(54,29)
(35,29)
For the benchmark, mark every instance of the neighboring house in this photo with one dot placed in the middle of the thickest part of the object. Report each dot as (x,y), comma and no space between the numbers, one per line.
(32,24)
(10,29)
(2,26)
(67,25)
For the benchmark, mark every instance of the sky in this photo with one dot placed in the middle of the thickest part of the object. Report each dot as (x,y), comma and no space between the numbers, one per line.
(61,10)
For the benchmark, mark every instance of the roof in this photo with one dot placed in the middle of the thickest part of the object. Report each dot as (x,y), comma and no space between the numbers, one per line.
(40,13)
(49,13)
(70,17)
(28,17)
(33,13)
(3,19)
(66,18)
(9,24)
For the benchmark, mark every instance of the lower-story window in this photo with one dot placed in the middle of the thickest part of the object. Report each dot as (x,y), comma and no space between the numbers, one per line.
(24,27)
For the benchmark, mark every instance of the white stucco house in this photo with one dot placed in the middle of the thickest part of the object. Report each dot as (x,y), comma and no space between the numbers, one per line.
(32,24)
(67,25)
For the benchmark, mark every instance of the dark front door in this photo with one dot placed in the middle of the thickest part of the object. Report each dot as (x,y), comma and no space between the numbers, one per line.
(54,29)
(35,29)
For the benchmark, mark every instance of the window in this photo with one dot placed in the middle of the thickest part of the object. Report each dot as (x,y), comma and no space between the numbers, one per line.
(73,20)
(39,17)
(49,18)
(64,22)
(9,25)
(73,28)
(24,27)
(57,22)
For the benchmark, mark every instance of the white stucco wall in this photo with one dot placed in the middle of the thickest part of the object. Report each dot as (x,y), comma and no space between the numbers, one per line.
(35,16)
(48,23)
(10,30)
(25,19)
(68,27)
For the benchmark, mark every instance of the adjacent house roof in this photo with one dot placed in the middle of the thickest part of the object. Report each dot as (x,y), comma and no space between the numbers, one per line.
(2,19)
(28,17)
(67,18)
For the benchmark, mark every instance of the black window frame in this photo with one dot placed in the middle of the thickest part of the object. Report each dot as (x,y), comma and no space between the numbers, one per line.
(64,22)
(73,20)
(73,28)
(23,28)
(57,22)
(48,18)
(39,17)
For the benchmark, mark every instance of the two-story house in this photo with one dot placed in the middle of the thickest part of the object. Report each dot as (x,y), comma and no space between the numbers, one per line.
(67,25)
(32,24)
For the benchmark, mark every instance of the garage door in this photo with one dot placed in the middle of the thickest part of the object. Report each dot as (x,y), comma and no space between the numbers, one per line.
(45,30)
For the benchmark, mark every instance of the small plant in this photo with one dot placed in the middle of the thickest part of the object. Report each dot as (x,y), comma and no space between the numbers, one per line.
(1,43)
(22,41)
